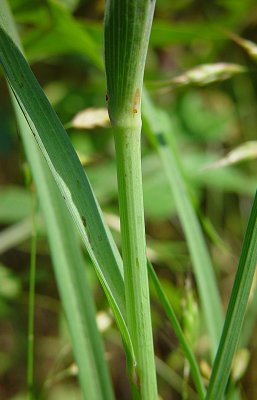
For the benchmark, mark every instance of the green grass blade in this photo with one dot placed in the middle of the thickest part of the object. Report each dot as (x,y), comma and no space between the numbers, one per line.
(201,261)
(236,310)
(70,275)
(31,307)
(179,333)
(68,265)
(76,297)
(64,164)
(70,178)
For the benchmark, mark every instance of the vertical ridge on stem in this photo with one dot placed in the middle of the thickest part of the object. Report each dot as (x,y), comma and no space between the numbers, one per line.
(127,30)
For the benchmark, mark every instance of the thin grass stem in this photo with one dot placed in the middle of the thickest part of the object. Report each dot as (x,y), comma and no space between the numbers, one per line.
(31,307)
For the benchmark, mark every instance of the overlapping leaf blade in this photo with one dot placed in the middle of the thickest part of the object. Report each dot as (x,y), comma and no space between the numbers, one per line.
(70,275)
(68,262)
(236,310)
(70,177)
(201,261)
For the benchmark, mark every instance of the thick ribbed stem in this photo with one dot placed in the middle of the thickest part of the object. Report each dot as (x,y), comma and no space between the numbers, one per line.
(127,30)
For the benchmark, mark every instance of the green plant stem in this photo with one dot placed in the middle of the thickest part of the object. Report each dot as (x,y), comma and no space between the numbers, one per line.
(128,153)
(31,308)
(127,30)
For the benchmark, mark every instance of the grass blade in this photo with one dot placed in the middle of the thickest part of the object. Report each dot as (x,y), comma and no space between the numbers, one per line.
(236,310)
(70,178)
(31,308)
(179,333)
(70,275)
(68,265)
(64,164)
(201,261)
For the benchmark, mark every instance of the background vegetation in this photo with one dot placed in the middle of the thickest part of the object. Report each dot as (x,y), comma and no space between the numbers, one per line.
(207,114)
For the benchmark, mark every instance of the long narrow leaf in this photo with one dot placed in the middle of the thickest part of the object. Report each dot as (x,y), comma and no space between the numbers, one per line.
(68,264)
(236,310)
(70,177)
(71,278)
(201,261)
(178,331)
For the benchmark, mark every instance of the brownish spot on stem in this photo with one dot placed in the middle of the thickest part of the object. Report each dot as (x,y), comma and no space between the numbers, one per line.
(136,101)
(106,97)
